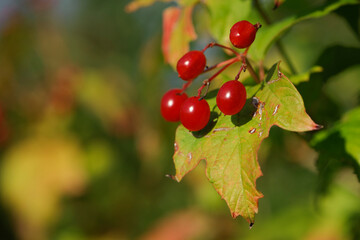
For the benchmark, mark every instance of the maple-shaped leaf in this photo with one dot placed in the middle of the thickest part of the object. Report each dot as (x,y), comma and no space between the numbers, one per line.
(178,31)
(229,144)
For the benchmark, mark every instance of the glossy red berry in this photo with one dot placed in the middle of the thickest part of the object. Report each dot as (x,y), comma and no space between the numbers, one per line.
(231,97)
(191,65)
(242,34)
(171,103)
(195,113)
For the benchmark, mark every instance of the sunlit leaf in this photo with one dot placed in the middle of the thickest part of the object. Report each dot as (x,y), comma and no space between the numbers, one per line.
(304,77)
(229,145)
(350,130)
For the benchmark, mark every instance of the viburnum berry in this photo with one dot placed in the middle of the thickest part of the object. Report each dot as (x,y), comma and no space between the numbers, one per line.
(191,65)
(231,97)
(171,103)
(195,113)
(242,34)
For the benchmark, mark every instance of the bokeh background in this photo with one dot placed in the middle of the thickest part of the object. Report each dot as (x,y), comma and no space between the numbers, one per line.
(84,150)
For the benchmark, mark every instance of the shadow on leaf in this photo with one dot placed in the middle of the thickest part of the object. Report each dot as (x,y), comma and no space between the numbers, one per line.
(211,94)
(211,124)
(245,115)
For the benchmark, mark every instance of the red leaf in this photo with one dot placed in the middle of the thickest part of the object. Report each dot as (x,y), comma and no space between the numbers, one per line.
(178,31)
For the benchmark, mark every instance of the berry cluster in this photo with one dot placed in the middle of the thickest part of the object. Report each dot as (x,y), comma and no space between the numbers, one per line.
(194,112)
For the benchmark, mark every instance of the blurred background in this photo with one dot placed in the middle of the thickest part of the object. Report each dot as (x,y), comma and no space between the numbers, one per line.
(84,150)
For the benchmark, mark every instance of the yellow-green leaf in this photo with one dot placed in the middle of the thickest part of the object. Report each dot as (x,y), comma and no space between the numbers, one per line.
(229,144)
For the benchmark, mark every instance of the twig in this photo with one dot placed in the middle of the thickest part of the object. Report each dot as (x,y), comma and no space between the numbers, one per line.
(252,72)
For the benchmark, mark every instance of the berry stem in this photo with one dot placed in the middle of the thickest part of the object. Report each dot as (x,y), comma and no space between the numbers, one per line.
(243,65)
(231,61)
(239,57)
(207,81)
(245,52)
(246,65)
(206,90)
(252,71)
(242,68)
(214,44)
(261,71)
(185,86)
(257,26)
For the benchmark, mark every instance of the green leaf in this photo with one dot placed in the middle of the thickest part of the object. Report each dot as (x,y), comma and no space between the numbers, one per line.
(349,128)
(229,145)
(332,158)
(224,14)
(350,131)
(267,35)
(338,147)
(345,59)
(304,77)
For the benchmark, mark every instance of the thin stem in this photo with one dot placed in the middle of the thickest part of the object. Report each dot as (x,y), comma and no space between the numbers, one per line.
(252,72)
(214,44)
(247,65)
(231,60)
(261,71)
(286,57)
(278,43)
(185,86)
(242,68)
(207,81)
(246,51)
(206,90)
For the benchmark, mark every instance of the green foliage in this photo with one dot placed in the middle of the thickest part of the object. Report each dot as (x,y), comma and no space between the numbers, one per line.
(268,35)
(224,14)
(339,146)
(304,77)
(350,131)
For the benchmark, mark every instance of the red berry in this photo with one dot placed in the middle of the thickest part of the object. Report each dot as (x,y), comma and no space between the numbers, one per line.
(231,97)
(191,65)
(171,103)
(195,113)
(242,34)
